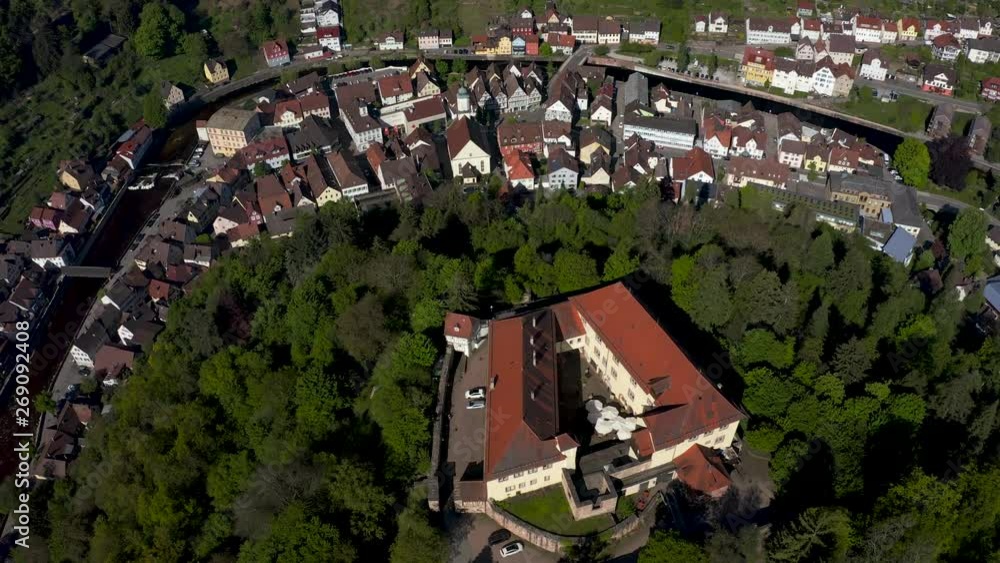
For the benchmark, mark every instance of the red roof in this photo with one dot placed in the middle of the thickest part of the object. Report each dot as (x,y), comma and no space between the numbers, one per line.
(561,39)
(659,365)
(518,166)
(991,83)
(756,55)
(946,40)
(159,290)
(702,470)
(394,86)
(294,106)
(275,49)
(716,127)
(458,325)
(324,32)
(696,160)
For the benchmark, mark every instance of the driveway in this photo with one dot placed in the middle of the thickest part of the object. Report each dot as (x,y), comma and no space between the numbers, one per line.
(469,534)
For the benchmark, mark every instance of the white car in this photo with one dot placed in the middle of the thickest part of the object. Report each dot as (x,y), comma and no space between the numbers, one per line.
(476,393)
(511,549)
(478,404)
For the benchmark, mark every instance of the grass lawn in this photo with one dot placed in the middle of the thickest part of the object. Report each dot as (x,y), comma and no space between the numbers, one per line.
(908,114)
(961,123)
(549,510)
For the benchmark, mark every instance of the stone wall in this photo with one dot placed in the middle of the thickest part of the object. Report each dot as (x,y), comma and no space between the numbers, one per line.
(530,533)
(433,482)
(603,504)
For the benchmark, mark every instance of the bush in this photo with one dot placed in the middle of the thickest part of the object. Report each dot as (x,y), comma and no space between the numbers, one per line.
(601,50)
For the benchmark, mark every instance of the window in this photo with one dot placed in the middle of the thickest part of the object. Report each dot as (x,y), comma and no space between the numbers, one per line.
(631,395)
(533,481)
(533,470)
(547,478)
(546,466)
(520,485)
(720,439)
(509,489)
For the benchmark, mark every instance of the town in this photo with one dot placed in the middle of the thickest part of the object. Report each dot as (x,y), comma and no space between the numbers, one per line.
(537,106)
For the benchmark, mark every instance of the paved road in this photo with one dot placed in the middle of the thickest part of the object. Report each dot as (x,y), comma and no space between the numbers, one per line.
(935,202)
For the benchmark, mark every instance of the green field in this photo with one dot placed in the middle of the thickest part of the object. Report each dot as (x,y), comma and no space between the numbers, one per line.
(908,114)
(549,510)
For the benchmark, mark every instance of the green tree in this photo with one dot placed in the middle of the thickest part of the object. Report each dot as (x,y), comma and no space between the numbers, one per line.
(417,540)
(913,161)
(545,50)
(159,30)
(45,403)
(459,66)
(294,535)
(683,57)
(967,238)
(441,67)
(574,271)
(818,534)
(664,547)
(196,47)
(154,112)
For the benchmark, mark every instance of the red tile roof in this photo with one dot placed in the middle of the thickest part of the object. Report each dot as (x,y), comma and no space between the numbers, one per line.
(696,160)
(394,86)
(517,165)
(702,470)
(459,325)
(275,49)
(756,55)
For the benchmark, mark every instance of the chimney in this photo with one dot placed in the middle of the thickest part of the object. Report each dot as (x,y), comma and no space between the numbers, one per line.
(493,383)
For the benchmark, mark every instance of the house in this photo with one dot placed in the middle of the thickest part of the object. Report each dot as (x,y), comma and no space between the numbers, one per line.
(717,135)
(463,333)
(271,195)
(968,28)
(665,132)
(519,137)
(271,150)
(946,47)
(812,29)
(316,104)
(908,28)
(518,169)
(644,31)
(216,71)
(867,29)
(890,32)
(938,79)
(748,142)
(766,172)
(597,173)
(134,144)
(392,41)
(348,176)
(993,238)
(873,65)
(86,346)
(76,175)
(635,90)
(530,450)
(793,76)
(111,362)
(991,89)
(757,67)
(767,31)
(395,89)
(425,86)
(691,173)
(276,53)
(934,28)
(141,333)
(939,124)
(842,160)
(792,153)
(467,146)
(423,111)
(817,156)
(832,79)
(230,129)
(103,50)
(805,8)
(602,110)
(981,51)
(564,170)
(840,48)
(585,28)
(991,293)
(879,200)
(979,135)
(900,246)
(328,15)
(561,43)
(594,139)
(362,127)
(556,133)
(330,37)
(713,23)
(561,107)
(435,39)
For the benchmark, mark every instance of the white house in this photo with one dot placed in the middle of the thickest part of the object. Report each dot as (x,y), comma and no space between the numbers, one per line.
(980,51)
(329,37)
(392,41)
(763,31)
(560,109)
(668,132)
(467,146)
(328,17)
(873,66)
(867,29)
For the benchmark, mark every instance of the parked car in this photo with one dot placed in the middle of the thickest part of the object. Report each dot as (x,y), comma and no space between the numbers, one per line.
(499,536)
(511,549)
(476,393)
(478,404)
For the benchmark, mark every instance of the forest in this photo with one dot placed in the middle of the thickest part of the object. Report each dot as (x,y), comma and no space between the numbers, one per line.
(285,412)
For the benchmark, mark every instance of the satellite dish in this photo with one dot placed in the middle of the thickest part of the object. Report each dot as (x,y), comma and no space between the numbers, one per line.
(609,411)
(624,434)
(594,405)
(630,424)
(593,417)
(603,427)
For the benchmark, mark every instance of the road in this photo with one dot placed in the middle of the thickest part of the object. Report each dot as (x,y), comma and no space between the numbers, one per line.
(935,202)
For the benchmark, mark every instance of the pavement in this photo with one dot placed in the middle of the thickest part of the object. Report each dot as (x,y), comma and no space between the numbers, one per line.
(912,90)
(935,202)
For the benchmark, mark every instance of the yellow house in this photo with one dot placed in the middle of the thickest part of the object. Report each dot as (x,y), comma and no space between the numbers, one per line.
(758,66)
(216,71)
(504,46)
(815,159)
(908,28)
(487,48)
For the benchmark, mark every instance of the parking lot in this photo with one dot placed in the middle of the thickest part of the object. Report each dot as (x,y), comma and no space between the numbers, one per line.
(470,543)
(467,432)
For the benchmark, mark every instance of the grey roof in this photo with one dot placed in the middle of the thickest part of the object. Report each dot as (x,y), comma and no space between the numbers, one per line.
(663,123)
(900,245)
(990,44)
(992,292)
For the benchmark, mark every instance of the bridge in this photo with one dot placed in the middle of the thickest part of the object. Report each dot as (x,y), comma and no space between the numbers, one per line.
(86,272)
